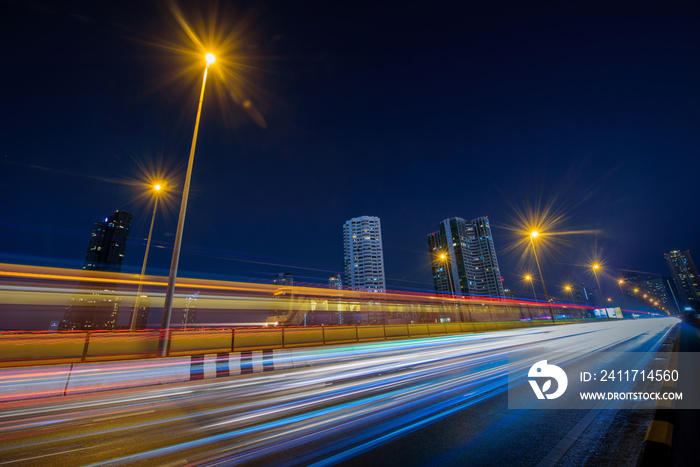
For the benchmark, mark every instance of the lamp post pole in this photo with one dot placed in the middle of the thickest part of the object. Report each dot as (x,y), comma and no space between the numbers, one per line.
(534,234)
(170,291)
(529,279)
(134,315)
(600,292)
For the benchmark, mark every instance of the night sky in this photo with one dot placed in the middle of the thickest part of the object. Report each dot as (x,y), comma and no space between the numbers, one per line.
(413,112)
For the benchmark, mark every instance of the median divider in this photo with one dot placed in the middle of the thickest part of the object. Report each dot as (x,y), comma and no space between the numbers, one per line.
(23,349)
(258,355)
(656,449)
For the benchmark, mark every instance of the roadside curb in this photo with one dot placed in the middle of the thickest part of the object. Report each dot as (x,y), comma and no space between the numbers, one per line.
(656,450)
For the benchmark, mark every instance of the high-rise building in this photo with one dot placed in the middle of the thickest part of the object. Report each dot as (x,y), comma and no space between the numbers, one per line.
(108,243)
(685,277)
(97,304)
(487,274)
(450,258)
(463,258)
(363,254)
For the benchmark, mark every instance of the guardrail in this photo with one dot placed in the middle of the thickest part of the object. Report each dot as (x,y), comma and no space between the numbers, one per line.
(23,349)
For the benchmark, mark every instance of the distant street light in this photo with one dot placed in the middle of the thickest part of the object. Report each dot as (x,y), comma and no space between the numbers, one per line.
(170,291)
(624,299)
(533,235)
(156,191)
(595,267)
(529,279)
(569,292)
(448,266)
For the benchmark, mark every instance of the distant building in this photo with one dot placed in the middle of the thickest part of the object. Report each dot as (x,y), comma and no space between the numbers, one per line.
(463,258)
(582,296)
(335,282)
(284,280)
(685,277)
(96,306)
(108,243)
(142,312)
(363,254)
(189,313)
(487,274)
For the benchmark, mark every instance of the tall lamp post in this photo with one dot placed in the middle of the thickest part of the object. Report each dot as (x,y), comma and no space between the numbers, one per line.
(533,235)
(596,267)
(447,265)
(170,291)
(156,189)
(529,279)
(569,292)
(624,299)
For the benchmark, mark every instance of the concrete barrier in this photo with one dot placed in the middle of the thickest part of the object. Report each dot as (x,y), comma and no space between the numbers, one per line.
(32,382)
(75,378)
(418,330)
(122,345)
(17,350)
(100,376)
(184,342)
(370,333)
(436,329)
(257,339)
(302,337)
(395,331)
(49,347)
(340,334)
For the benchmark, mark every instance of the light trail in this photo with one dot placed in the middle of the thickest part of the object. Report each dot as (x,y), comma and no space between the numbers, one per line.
(352,398)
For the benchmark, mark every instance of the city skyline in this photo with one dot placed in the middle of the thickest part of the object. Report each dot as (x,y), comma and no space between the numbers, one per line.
(542,143)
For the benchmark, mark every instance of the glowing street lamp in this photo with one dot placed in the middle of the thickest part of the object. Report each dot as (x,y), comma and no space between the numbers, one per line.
(170,291)
(446,264)
(533,235)
(529,279)
(624,299)
(156,191)
(596,267)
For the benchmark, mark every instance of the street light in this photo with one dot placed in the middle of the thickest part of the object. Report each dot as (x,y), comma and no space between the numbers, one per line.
(533,235)
(596,266)
(170,292)
(624,299)
(447,266)
(156,191)
(529,279)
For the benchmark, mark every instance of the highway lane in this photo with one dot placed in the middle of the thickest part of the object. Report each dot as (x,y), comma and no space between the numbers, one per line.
(359,400)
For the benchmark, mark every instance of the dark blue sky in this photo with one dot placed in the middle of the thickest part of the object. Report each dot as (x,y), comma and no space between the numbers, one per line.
(413,112)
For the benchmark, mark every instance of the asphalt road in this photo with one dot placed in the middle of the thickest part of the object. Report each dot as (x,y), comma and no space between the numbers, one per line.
(431,402)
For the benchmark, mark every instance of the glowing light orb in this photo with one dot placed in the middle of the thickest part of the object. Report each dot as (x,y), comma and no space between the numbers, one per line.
(210,58)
